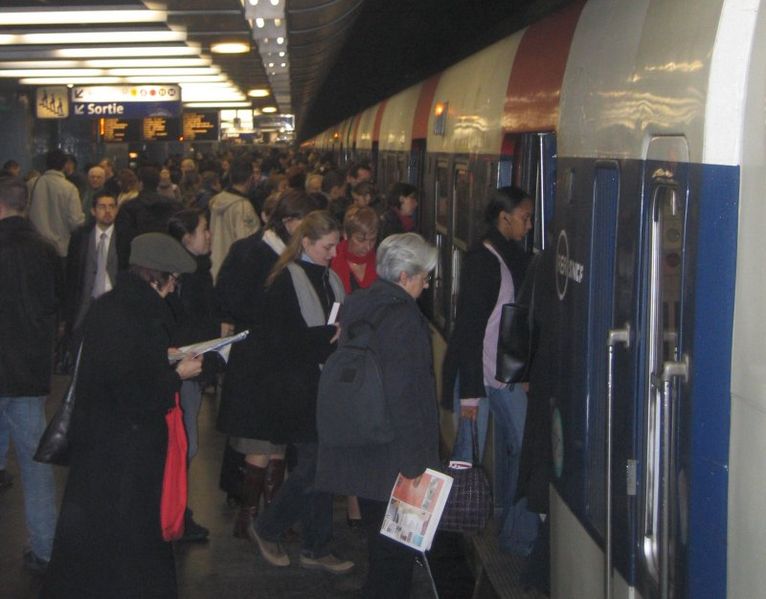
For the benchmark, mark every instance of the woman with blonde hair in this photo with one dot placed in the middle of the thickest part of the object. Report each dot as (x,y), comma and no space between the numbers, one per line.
(301,291)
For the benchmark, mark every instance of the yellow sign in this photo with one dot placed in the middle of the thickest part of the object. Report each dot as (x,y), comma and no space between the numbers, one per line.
(52,102)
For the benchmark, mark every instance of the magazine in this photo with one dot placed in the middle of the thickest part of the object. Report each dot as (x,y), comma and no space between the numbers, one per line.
(415,508)
(222,345)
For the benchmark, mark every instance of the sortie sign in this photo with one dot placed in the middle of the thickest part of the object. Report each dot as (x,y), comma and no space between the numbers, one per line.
(132,102)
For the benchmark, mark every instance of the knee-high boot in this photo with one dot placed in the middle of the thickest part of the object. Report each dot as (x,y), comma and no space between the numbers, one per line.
(252,489)
(275,476)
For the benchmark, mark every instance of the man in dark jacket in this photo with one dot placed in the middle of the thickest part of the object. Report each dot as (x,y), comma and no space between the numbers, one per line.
(148,212)
(30,278)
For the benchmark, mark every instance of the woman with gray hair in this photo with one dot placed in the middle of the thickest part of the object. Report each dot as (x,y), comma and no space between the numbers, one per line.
(402,345)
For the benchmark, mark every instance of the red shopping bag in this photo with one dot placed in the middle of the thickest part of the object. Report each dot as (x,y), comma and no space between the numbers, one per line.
(173,503)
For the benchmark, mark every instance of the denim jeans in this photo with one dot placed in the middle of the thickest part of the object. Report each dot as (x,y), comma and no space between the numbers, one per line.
(463,450)
(191,400)
(297,500)
(24,417)
(5,439)
(517,528)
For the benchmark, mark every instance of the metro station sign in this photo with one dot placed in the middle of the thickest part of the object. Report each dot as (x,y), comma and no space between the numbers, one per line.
(137,101)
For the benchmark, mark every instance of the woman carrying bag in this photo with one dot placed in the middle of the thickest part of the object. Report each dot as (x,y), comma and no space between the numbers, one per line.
(109,538)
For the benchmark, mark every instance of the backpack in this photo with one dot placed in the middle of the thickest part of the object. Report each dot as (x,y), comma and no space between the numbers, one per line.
(351,404)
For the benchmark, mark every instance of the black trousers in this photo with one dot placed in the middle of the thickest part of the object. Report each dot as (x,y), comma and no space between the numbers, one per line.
(390,563)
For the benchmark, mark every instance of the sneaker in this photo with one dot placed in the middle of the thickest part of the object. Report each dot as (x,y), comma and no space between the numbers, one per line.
(271,552)
(193,532)
(34,563)
(6,480)
(327,563)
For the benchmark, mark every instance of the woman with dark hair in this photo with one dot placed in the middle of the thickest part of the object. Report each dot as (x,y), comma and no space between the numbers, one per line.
(492,274)
(301,291)
(401,202)
(193,307)
(240,294)
(109,538)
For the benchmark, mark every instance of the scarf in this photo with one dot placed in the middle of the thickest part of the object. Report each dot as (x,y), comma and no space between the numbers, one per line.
(408,223)
(341,264)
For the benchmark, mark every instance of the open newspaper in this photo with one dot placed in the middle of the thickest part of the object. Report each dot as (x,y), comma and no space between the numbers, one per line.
(222,345)
(415,508)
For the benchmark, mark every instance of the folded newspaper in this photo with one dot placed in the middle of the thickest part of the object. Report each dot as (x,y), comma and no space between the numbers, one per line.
(222,345)
(415,508)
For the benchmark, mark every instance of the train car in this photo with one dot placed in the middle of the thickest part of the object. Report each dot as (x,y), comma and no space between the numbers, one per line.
(638,127)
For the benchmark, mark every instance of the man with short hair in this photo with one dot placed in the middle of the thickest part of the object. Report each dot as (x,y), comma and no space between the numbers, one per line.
(91,264)
(334,189)
(30,279)
(232,215)
(54,203)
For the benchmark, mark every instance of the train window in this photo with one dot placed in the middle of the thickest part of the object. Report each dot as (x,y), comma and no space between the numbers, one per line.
(462,207)
(442,198)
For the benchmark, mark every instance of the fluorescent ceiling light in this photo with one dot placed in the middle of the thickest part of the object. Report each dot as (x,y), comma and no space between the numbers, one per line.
(69,80)
(73,16)
(51,72)
(179,79)
(218,104)
(269,109)
(92,37)
(116,51)
(164,73)
(230,48)
(258,93)
(212,70)
(107,63)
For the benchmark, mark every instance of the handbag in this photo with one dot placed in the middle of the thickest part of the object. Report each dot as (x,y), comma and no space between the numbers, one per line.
(514,341)
(469,504)
(53,447)
(174,482)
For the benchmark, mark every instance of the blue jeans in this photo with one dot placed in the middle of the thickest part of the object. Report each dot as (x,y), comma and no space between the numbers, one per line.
(5,439)
(297,500)
(191,400)
(24,418)
(518,526)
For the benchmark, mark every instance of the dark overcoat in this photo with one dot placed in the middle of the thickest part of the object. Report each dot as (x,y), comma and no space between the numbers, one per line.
(239,294)
(403,346)
(30,289)
(292,355)
(148,212)
(108,540)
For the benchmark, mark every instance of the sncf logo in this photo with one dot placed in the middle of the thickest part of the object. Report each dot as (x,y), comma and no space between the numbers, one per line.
(565,267)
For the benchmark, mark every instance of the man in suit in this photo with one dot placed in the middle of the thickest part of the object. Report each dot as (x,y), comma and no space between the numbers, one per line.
(91,263)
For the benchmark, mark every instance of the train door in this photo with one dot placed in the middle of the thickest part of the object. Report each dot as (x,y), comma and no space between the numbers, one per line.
(665,373)
(440,286)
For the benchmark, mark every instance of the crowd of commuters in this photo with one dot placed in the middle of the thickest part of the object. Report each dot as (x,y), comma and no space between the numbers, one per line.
(125,265)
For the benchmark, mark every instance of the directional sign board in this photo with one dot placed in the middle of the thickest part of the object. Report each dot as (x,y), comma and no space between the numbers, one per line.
(52,102)
(126,102)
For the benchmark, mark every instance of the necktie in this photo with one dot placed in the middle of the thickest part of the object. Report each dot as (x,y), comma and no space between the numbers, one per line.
(99,285)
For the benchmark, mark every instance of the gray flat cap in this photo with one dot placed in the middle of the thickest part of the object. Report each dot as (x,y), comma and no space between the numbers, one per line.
(161,252)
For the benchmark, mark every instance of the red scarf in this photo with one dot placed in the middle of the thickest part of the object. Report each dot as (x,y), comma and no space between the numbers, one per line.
(341,264)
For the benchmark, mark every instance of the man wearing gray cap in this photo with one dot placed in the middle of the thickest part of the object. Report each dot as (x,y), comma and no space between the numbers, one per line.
(108,541)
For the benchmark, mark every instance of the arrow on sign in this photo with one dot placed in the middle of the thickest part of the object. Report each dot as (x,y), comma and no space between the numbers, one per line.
(79,109)
(78,93)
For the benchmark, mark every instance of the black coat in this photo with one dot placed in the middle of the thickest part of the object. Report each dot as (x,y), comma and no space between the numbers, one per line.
(292,355)
(479,288)
(390,224)
(30,291)
(403,348)
(240,290)
(148,212)
(108,539)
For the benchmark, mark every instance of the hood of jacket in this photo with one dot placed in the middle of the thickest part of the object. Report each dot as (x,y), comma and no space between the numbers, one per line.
(221,202)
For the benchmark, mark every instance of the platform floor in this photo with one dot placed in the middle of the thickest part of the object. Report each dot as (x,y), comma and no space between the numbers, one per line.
(229,568)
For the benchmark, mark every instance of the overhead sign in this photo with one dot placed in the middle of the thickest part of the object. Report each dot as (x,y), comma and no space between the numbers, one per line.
(121,130)
(201,125)
(52,102)
(126,102)
(161,129)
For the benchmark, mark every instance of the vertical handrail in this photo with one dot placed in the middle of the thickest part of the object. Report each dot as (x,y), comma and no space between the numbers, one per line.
(614,337)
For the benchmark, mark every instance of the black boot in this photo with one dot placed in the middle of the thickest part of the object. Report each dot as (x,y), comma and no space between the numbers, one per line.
(252,489)
(193,531)
(275,476)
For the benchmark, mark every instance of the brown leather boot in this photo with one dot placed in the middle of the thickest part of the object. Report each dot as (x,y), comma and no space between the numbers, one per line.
(275,476)
(252,489)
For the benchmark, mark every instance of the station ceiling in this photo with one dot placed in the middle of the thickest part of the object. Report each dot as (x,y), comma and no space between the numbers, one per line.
(339,55)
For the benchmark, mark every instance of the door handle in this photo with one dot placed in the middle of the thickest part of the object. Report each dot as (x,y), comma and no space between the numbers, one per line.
(614,337)
(671,371)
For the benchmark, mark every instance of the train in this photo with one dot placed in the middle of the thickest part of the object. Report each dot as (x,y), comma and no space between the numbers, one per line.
(638,128)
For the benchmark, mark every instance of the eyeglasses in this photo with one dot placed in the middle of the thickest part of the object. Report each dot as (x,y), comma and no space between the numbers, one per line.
(427,278)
